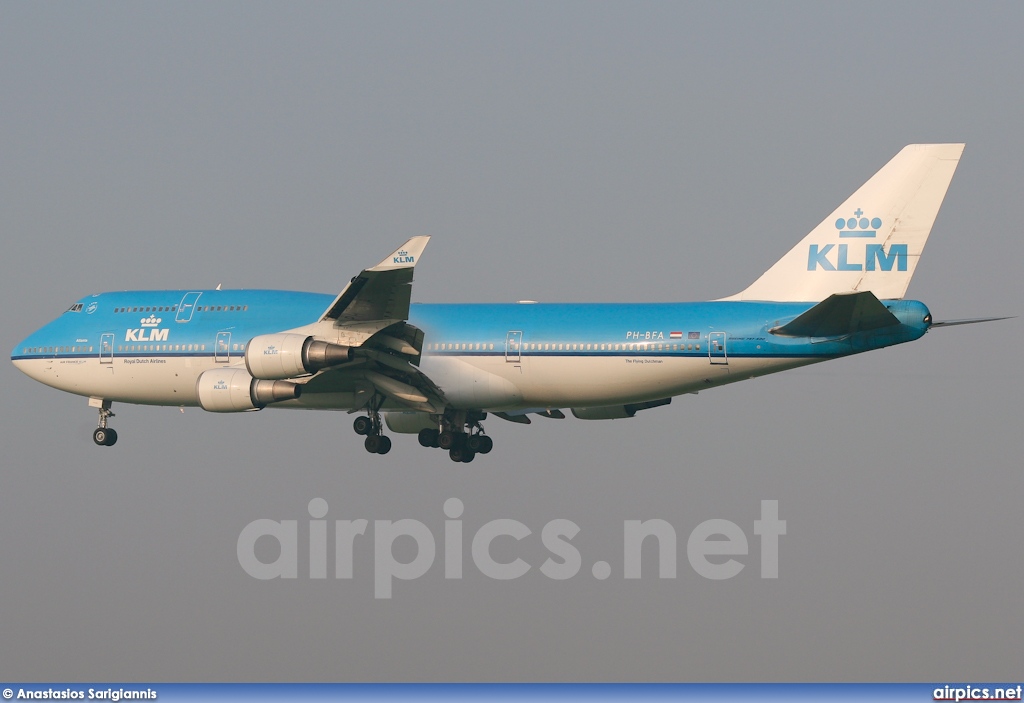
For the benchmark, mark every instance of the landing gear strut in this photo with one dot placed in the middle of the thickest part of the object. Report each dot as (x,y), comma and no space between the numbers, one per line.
(104,436)
(369,426)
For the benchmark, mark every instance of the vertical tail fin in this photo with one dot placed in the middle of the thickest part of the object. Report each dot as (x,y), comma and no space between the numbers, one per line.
(872,242)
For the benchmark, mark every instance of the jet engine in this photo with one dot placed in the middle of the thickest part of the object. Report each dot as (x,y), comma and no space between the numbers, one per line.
(278,356)
(234,390)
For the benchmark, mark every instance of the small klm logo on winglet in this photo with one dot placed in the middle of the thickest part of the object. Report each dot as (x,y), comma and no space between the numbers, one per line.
(875,257)
(403,258)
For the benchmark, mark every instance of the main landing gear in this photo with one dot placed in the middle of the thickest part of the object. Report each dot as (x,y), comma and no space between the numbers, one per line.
(459,433)
(104,436)
(370,427)
(462,437)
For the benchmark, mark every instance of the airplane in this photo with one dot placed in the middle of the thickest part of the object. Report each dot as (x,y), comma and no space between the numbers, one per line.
(438,370)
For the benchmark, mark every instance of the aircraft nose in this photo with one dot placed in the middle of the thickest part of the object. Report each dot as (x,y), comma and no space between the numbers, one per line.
(19,351)
(19,357)
(26,358)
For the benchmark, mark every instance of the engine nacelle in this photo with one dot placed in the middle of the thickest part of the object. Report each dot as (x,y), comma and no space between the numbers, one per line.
(408,422)
(278,356)
(234,390)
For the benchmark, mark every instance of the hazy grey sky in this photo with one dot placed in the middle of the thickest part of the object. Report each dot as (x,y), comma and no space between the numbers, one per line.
(555,151)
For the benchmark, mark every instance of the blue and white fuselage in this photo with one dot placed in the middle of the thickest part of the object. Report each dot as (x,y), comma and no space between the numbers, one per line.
(438,369)
(539,355)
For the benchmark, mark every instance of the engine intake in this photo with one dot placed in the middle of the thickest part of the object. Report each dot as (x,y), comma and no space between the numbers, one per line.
(275,357)
(234,390)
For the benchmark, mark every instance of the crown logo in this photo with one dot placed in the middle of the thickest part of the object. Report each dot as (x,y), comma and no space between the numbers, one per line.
(858,226)
(403,252)
(151,321)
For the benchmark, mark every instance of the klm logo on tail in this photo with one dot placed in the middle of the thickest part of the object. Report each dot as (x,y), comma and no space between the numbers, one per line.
(852,257)
(403,258)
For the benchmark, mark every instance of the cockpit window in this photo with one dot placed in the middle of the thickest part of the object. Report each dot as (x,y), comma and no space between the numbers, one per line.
(77,307)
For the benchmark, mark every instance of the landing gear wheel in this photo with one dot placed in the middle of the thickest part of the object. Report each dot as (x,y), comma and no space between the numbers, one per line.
(486,444)
(457,454)
(104,436)
(362,425)
(384,444)
(428,438)
(373,443)
(473,442)
(468,456)
(446,440)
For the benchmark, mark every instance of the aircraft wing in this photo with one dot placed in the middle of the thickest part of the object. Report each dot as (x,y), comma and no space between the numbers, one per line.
(373,311)
(382,292)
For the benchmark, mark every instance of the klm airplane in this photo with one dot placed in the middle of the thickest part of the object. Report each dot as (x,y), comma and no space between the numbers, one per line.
(438,370)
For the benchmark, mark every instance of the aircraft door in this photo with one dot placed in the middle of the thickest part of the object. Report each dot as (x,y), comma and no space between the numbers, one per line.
(107,348)
(513,347)
(186,307)
(222,349)
(716,348)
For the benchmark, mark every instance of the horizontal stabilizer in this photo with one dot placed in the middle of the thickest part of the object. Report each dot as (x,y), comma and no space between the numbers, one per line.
(839,314)
(971,321)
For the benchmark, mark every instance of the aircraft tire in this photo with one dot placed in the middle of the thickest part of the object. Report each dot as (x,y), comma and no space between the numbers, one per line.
(446,440)
(362,425)
(486,444)
(428,438)
(385,445)
(455,454)
(372,443)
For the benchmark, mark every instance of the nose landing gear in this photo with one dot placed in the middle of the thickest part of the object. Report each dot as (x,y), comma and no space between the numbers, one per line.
(103,436)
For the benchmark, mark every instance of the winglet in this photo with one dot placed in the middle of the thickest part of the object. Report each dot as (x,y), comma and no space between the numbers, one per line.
(405,256)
